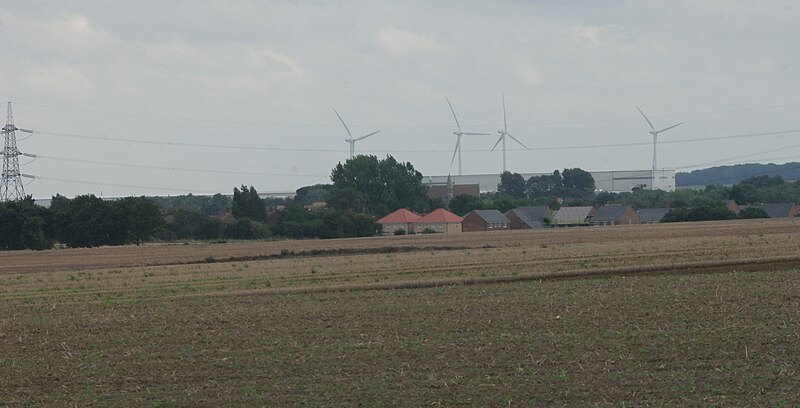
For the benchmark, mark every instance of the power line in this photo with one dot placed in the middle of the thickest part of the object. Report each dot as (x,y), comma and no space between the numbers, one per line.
(99,183)
(166,168)
(315,150)
(740,157)
(331,125)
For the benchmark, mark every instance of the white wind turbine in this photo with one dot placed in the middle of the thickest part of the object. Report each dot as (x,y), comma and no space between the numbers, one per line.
(655,133)
(503,133)
(458,134)
(352,140)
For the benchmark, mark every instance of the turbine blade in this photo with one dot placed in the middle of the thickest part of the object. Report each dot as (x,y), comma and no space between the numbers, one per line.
(668,128)
(515,139)
(645,118)
(498,142)
(455,151)
(366,136)
(343,124)
(505,122)
(475,134)
(458,125)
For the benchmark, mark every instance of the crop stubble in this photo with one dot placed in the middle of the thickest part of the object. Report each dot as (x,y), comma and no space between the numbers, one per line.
(179,334)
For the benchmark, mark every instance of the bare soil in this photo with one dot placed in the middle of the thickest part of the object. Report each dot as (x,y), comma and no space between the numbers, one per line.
(677,315)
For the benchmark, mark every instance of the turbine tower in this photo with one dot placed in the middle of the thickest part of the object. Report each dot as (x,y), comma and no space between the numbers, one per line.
(352,140)
(11,188)
(458,134)
(655,133)
(503,133)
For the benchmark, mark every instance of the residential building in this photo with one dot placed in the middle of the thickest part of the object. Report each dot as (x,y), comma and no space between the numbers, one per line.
(780,210)
(652,215)
(439,220)
(530,217)
(484,220)
(401,219)
(573,216)
(615,214)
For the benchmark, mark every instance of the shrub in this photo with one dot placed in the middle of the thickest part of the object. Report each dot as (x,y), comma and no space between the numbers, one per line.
(400,231)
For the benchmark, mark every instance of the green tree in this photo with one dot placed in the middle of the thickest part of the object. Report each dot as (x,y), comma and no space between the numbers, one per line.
(194,225)
(385,185)
(135,220)
(512,185)
(346,198)
(309,194)
(577,183)
(462,204)
(89,222)
(544,186)
(33,234)
(247,204)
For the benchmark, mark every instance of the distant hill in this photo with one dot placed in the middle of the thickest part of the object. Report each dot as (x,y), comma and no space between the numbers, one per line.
(733,174)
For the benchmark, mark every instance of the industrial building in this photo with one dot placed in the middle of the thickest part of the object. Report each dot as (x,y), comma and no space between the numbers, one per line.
(618,181)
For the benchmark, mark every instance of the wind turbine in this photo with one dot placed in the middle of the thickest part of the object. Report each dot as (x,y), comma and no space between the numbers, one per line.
(655,133)
(503,133)
(458,134)
(352,140)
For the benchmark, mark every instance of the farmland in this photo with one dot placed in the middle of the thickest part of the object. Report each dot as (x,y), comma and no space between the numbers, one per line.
(683,314)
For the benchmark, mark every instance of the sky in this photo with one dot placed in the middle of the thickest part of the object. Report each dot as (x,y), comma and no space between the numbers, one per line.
(169,97)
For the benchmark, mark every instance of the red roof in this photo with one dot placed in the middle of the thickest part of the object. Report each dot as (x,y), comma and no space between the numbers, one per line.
(439,216)
(401,216)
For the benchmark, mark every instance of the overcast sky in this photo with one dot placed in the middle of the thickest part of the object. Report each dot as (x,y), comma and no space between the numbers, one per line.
(151,85)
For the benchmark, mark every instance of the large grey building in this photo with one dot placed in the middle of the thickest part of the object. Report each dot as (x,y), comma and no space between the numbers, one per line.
(616,181)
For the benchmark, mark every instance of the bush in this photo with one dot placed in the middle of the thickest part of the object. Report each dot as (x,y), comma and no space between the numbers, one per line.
(428,231)
(400,231)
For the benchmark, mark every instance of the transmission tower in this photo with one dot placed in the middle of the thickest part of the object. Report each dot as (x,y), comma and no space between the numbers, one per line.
(11,188)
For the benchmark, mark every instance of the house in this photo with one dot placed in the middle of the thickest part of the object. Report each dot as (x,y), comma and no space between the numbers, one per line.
(615,214)
(572,216)
(401,219)
(484,220)
(529,217)
(316,205)
(652,215)
(731,205)
(439,220)
(780,210)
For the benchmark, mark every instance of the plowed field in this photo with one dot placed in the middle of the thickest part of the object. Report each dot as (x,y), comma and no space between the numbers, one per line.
(684,314)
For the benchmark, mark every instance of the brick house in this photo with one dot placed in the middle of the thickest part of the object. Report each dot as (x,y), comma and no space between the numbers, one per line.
(401,219)
(484,220)
(529,217)
(615,214)
(439,220)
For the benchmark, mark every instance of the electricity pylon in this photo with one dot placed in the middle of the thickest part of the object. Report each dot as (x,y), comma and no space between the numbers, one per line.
(11,188)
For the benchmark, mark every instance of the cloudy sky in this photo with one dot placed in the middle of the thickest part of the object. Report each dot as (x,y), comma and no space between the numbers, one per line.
(168,97)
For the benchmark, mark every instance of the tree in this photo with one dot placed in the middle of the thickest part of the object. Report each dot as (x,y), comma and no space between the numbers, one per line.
(462,204)
(504,204)
(309,194)
(135,220)
(194,225)
(512,185)
(753,212)
(346,198)
(577,183)
(247,204)
(89,222)
(704,209)
(33,234)
(385,185)
(545,186)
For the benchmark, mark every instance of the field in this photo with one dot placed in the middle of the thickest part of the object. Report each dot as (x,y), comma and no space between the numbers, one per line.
(667,315)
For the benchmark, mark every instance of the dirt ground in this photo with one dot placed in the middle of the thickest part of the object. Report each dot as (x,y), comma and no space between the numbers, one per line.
(642,317)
